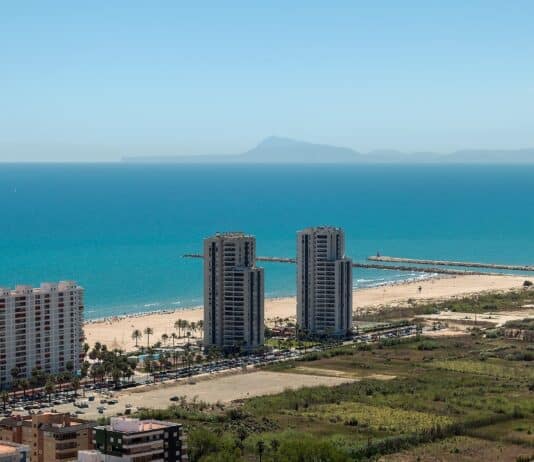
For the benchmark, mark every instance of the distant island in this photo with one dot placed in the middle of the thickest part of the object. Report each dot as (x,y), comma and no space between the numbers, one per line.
(277,150)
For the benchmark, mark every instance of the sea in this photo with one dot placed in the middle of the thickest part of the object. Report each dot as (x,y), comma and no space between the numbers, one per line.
(120,230)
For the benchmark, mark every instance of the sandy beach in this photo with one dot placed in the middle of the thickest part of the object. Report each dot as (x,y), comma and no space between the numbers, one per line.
(116,332)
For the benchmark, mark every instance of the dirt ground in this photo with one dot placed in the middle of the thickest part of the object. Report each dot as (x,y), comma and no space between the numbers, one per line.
(224,388)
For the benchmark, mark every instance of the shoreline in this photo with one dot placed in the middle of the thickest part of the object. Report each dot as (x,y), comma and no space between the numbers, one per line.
(115,331)
(140,314)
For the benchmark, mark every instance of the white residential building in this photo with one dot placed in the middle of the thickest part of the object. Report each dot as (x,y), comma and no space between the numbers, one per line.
(324,282)
(233,293)
(40,328)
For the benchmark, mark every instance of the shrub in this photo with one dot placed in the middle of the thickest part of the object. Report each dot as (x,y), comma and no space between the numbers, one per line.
(427,345)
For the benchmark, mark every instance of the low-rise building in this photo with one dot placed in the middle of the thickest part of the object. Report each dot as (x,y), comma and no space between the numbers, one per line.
(51,437)
(13,452)
(134,440)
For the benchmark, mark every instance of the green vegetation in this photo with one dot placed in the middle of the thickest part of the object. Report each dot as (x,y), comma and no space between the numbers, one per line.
(523,324)
(289,343)
(495,301)
(495,368)
(440,394)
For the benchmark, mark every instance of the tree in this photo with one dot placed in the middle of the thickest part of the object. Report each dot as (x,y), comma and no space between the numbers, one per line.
(275,444)
(260,446)
(136,335)
(24,384)
(84,369)
(69,366)
(178,327)
(75,382)
(50,388)
(527,284)
(15,371)
(4,396)
(200,327)
(174,337)
(37,377)
(148,332)
(164,339)
(116,374)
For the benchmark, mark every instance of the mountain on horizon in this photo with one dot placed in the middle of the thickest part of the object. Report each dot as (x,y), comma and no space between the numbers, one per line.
(280,150)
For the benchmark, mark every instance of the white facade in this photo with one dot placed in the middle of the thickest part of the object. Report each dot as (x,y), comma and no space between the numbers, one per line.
(40,327)
(90,455)
(233,292)
(324,282)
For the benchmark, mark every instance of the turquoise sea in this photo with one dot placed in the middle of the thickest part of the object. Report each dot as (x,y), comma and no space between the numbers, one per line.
(120,229)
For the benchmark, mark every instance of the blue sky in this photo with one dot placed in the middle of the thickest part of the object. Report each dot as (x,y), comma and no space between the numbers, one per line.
(98,80)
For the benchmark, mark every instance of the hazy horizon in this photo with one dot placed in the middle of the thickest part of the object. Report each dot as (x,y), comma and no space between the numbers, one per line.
(98,82)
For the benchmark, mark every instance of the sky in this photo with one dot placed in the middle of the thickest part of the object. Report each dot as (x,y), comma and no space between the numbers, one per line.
(95,81)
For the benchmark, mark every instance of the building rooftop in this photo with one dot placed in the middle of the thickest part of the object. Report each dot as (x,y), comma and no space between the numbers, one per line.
(321,228)
(45,288)
(130,425)
(48,421)
(232,234)
(8,448)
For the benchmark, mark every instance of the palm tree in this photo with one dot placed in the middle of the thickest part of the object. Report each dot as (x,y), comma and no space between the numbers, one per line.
(75,382)
(164,339)
(174,337)
(24,384)
(50,388)
(193,326)
(136,335)
(116,374)
(15,371)
(4,396)
(178,326)
(148,332)
(200,326)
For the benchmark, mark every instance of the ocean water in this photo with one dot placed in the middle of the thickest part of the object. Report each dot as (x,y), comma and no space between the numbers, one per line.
(120,230)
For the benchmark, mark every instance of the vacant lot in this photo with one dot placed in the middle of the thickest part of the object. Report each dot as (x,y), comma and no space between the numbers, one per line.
(221,389)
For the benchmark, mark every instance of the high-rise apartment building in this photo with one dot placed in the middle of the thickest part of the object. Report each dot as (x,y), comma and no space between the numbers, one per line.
(40,328)
(134,440)
(233,292)
(324,282)
(51,437)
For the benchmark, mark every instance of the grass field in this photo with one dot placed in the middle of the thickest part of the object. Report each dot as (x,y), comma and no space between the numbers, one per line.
(445,399)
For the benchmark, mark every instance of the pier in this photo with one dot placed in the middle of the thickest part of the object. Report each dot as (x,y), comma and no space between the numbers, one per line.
(466,264)
(404,268)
